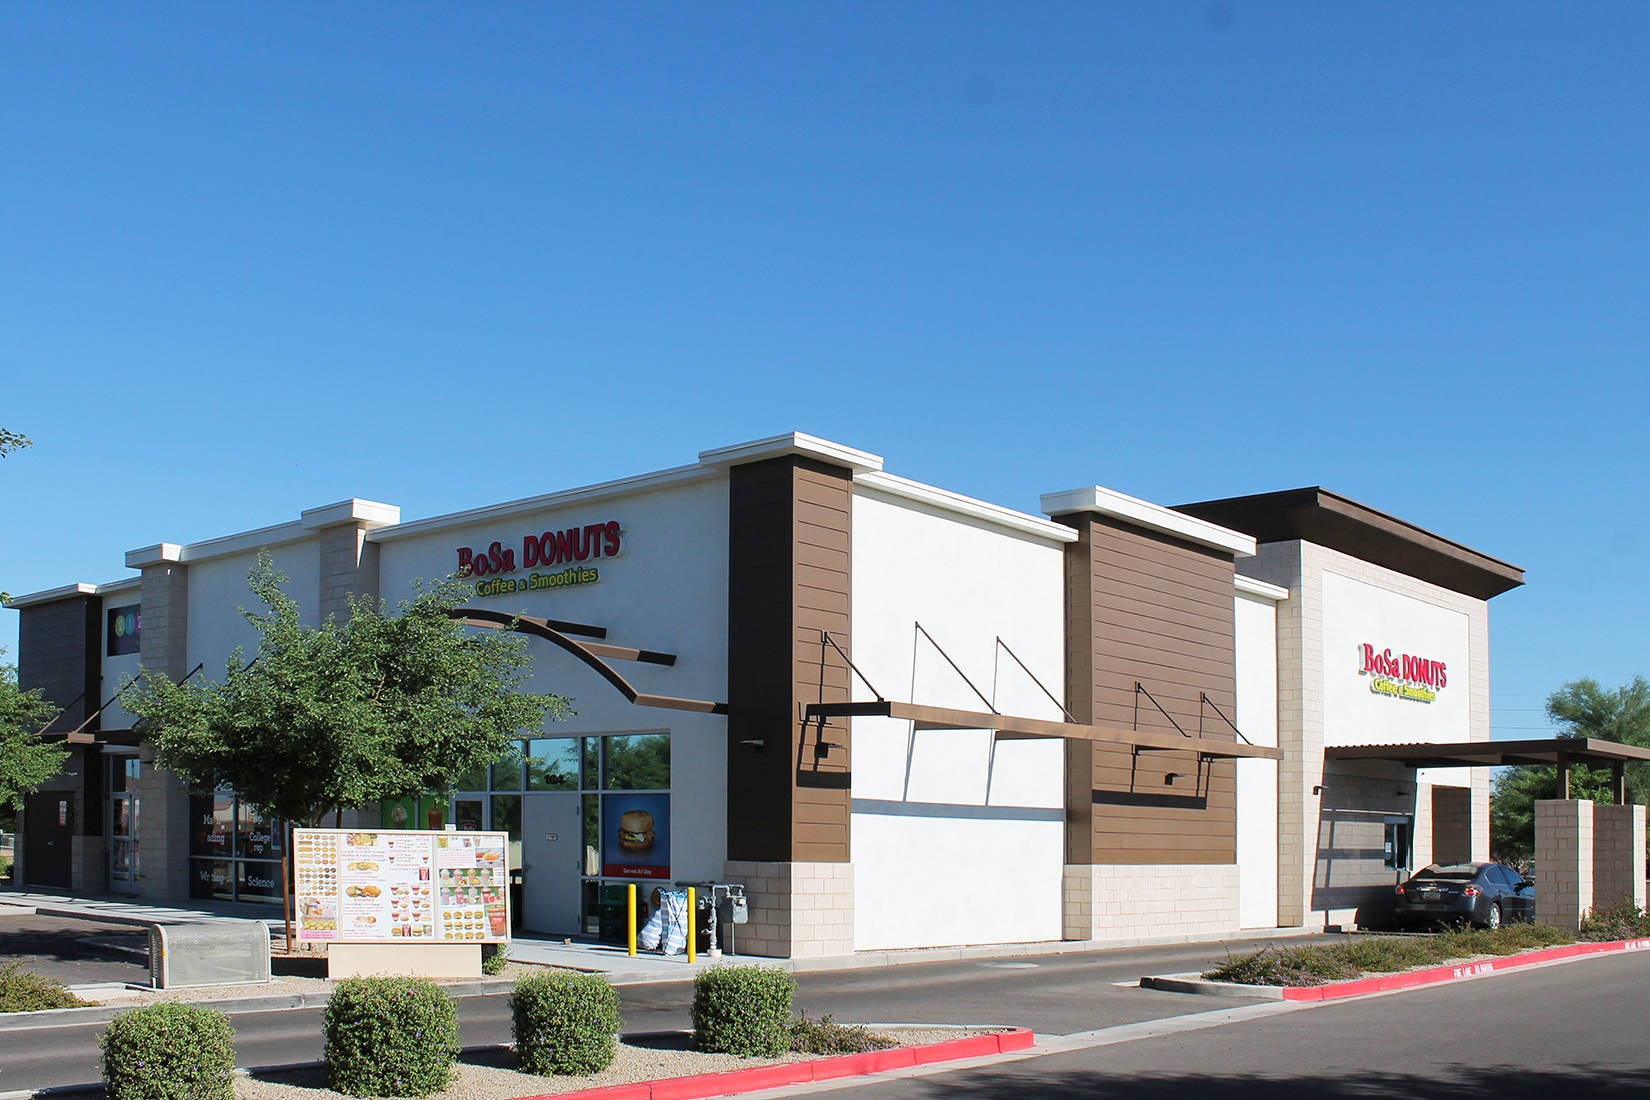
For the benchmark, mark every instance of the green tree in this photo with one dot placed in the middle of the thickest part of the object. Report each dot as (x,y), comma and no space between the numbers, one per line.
(347,714)
(9,442)
(1582,709)
(26,761)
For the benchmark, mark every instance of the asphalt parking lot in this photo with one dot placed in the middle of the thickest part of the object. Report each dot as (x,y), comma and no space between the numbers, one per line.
(75,952)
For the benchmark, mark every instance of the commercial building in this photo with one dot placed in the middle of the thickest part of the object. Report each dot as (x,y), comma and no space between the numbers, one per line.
(901,717)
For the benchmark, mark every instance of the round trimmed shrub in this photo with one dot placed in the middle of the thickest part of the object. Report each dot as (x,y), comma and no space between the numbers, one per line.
(390,1037)
(169,1052)
(743,1010)
(564,1023)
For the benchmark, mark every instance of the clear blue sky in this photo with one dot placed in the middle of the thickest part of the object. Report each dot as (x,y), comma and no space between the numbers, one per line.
(260,259)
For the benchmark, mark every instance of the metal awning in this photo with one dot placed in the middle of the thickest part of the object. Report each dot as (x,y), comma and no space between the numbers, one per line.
(1559,751)
(1009,727)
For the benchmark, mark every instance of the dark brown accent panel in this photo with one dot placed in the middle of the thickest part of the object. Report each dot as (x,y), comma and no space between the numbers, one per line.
(1328,519)
(60,652)
(789,574)
(1144,607)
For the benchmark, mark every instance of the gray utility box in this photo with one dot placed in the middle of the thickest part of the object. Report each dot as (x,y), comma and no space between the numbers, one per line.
(208,953)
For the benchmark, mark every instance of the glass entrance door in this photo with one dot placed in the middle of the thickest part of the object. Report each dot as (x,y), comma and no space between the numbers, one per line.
(123,773)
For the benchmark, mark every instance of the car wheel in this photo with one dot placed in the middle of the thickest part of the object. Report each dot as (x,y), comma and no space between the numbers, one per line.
(1494,919)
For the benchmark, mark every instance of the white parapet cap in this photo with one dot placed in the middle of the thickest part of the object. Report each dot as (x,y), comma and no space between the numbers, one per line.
(607,490)
(369,514)
(50,595)
(1249,586)
(947,501)
(158,554)
(263,538)
(67,591)
(1154,517)
(793,443)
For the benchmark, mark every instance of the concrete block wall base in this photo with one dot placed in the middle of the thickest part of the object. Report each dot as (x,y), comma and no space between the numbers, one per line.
(1116,901)
(1563,861)
(1618,856)
(797,910)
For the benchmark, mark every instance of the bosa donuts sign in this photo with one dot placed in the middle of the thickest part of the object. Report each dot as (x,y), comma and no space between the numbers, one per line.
(1402,675)
(569,547)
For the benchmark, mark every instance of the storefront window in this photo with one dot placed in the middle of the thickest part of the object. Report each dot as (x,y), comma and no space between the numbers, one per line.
(257,880)
(212,824)
(123,772)
(623,781)
(212,878)
(639,762)
(467,814)
(235,852)
(507,815)
(507,819)
(553,764)
(473,780)
(258,836)
(507,772)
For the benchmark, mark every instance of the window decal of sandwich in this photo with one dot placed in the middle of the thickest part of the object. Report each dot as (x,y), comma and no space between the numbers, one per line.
(636,835)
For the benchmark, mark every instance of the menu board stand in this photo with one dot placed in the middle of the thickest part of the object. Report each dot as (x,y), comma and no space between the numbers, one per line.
(410,960)
(402,901)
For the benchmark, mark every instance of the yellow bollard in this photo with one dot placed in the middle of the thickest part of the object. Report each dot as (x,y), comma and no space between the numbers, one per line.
(693,931)
(630,919)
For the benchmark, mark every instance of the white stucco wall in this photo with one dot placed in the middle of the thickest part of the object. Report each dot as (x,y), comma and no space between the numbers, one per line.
(957,838)
(1256,621)
(1357,613)
(666,590)
(217,592)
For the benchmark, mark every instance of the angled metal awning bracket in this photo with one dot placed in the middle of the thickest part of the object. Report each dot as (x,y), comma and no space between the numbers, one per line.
(954,667)
(1204,700)
(826,634)
(1051,696)
(1139,690)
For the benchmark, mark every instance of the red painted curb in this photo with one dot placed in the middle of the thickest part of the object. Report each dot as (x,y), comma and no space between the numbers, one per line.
(1440,974)
(702,1085)
(975,1046)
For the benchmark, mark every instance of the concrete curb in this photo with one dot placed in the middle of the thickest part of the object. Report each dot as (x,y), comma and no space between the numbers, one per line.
(1192,982)
(738,1081)
(1387,983)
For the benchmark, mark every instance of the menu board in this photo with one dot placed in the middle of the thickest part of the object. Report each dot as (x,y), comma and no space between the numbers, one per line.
(401,885)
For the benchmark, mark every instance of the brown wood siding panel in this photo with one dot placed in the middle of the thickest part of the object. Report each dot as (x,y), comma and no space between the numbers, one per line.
(790,570)
(1145,607)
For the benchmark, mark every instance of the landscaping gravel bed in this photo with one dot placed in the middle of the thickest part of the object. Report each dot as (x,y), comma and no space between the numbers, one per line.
(288,985)
(487,1075)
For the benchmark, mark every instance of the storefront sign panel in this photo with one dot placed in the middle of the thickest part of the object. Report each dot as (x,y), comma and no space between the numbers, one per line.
(562,554)
(124,632)
(402,886)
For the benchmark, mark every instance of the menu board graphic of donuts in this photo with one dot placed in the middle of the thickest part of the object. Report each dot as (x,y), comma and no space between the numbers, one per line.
(401,886)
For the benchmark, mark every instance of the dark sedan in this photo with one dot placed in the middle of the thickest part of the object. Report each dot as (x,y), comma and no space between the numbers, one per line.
(1485,894)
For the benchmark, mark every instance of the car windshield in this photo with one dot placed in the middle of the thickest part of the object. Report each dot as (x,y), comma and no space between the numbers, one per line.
(1451,872)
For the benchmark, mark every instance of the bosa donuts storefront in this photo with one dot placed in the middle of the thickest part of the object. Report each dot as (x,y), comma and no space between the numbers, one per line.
(850,692)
